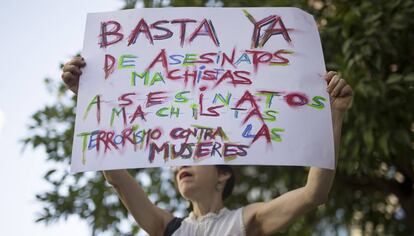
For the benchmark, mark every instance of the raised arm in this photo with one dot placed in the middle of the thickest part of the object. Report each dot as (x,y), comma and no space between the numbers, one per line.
(268,217)
(148,216)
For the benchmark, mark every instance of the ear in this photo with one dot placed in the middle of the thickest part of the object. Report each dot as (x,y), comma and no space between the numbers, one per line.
(223,176)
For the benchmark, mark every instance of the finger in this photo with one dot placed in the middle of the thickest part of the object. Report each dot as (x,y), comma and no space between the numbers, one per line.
(72,69)
(69,78)
(77,61)
(337,90)
(334,81)
(346,91)
(74,88)
(328,76)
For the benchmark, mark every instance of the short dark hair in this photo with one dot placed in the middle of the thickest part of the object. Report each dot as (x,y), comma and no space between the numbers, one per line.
(228,187)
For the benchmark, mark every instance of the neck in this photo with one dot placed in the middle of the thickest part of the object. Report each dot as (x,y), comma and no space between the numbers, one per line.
(207,204)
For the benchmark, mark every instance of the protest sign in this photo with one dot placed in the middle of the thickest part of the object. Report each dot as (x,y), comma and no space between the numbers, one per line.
(200,86)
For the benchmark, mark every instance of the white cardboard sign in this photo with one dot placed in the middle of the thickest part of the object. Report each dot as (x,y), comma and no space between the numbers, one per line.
(201,86)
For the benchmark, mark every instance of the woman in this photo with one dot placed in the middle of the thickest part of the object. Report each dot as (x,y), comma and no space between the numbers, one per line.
(207,186)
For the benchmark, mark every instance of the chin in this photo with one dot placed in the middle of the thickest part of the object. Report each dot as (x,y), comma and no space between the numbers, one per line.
(186,192)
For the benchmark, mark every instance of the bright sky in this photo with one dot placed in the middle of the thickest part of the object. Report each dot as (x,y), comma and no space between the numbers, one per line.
(36,36)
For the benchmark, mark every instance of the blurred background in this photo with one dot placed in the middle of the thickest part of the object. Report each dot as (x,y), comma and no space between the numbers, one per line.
(369,42)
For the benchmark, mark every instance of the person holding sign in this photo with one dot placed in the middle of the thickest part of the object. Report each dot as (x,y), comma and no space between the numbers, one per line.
(207,186)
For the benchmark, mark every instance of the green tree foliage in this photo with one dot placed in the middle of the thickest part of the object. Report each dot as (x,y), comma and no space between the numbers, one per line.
(371,44)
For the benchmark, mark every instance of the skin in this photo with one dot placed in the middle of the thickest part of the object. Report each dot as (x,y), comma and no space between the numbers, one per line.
(205,185)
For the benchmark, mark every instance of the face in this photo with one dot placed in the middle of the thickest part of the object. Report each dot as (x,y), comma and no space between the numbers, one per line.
(197,181)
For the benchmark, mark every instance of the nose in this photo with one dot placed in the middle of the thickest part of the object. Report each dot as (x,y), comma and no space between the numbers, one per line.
(176,169)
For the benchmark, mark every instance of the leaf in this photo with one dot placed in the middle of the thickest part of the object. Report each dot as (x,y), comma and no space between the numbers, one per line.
(347,45)
(383,143)
(409,78)
(394,78)
(368,140)
(46,176)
